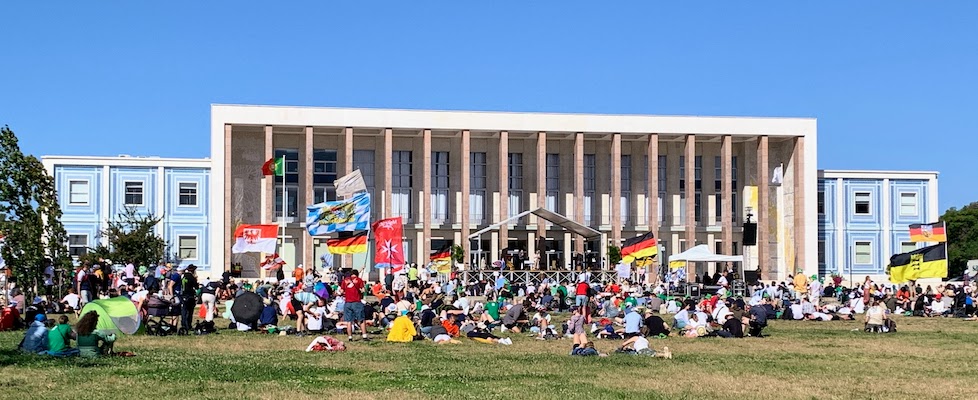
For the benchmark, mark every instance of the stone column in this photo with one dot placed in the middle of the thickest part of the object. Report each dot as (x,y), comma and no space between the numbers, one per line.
(346,260)
(503,210)
(616,189)
(726,196)
(798,164)
(386,196)
(541,185)
(466,190)
(269,187)
(690,197)
(579,187)
(763,244)
(305,182)
(228,184)
(425,244)
(653,198)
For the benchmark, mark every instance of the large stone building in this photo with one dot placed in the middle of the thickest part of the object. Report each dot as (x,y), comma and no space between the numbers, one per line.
(451,173)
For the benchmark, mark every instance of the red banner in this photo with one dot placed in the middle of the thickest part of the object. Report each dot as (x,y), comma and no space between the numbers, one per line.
(388,243)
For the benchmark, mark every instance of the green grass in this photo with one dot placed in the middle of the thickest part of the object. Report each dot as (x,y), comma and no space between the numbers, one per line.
(932,358)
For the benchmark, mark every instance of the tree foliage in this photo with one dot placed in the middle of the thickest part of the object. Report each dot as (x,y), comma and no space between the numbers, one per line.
(458,254)
(132,237)
(962,237)
(614,254)
(31,215)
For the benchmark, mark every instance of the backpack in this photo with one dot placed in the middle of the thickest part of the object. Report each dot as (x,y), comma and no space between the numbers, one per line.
(204,327)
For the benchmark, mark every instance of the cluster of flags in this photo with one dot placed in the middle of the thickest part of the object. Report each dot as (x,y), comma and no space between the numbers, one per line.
(927,262)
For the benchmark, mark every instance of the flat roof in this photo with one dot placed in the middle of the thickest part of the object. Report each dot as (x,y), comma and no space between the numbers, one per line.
(876,174)
(509,121)
(126,161)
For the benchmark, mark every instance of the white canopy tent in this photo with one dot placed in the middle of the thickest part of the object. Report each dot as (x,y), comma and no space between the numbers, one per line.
(702,253)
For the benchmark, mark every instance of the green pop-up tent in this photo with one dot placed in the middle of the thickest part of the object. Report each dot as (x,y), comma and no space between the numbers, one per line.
(117,315)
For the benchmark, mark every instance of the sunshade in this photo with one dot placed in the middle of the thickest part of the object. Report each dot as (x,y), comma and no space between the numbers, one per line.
(247,308)
(117,314)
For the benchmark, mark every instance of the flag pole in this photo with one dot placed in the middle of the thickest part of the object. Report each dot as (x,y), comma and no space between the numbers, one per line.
(285,203)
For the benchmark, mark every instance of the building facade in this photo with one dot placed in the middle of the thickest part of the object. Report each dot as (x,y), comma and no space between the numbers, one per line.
(451,173)
(864,218)
(95,190)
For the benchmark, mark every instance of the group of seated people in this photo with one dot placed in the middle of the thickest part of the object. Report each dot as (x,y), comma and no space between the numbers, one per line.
(44,337)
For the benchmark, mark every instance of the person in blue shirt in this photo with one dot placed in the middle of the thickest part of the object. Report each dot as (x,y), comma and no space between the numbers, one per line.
(36,338)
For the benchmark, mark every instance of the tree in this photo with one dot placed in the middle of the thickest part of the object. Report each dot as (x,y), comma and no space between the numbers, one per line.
(614,254)
(30,216)
(458,254)
(962,237)
(132,237)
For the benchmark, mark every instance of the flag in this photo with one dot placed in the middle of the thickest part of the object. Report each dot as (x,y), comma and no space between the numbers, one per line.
(327,259)
(274,166)
(255,238)
(778,175)
(388,236)
(639,247)
(932,232)
(272,261)
(350,184)
(351,245)
(928,262)
(678,264)
(444,253)
(333,216)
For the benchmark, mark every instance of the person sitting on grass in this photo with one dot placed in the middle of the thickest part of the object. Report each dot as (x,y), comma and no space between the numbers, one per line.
(36,338)
(758,320)
(59,339)
(654,325)
(732,328)
(541,322)
(479,333)
(91,341)
(875,317)
(587,349)
(515,318)
(402,330)
(640,345)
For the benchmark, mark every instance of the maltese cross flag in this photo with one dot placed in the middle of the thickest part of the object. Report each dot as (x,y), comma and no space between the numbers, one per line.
(255,238)
(388,236)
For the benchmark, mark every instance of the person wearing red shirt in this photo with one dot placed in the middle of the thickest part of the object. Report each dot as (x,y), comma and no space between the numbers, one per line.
(352,287)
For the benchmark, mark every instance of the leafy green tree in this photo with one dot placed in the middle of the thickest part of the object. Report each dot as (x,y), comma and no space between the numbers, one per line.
(132,237)
(30,216)
(614,254)
(458,254)
(962,237)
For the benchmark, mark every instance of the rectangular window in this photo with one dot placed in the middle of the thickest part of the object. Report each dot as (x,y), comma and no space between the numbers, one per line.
(553,182)
(864,253)
(78,192)
(821,252)
(906,247)
(477,187)
(323,194)
(515,183)
(77,245)
(862,200)
(365,161)
(188,194)
(717,174)
(662,188)
(590,184)
(134,193)
(187,247)
(626,188)
(401,178)
(439,187)
(821,202)
(698,172)
(324,173)
(291,183)
(736,249)
(734,212)
(908,204)
(682,172)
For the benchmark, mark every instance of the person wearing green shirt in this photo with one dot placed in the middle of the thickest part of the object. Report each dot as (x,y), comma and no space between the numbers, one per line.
(92,342)
(59,339)
(492,308)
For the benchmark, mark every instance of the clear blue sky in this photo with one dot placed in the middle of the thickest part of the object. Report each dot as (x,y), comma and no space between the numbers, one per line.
(892,83)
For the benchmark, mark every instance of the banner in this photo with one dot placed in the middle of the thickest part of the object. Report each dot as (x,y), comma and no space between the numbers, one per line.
(639,247)
(351,245)
(927,262)
(345,215)
(932,232)
(388,243)
(255,238)
(350,184)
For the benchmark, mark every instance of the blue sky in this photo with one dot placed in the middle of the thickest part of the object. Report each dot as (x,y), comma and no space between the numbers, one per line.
(892,83)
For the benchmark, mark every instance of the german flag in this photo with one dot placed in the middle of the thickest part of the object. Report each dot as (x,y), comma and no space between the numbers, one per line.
(928,262)
(932,232)
(351,245)
(442,254)
(639,247)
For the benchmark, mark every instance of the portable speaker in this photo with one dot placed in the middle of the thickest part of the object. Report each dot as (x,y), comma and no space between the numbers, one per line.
(750,234)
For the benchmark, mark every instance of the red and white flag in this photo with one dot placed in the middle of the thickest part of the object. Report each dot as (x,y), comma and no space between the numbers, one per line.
(272,261)
(255,238)
(389,243)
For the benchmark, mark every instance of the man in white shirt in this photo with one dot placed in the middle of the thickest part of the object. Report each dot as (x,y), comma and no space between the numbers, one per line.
(796,311)
(49,280)
(720,312)
(71,300)
(723,279)
(462,303)
(129,273)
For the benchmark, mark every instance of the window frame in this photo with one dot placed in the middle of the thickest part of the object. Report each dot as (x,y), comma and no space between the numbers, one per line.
(196,247)
(903,248)
(84,247)
(88,192)
(869,203)
(142,193)
(180,194)
(855,252)
(916,204)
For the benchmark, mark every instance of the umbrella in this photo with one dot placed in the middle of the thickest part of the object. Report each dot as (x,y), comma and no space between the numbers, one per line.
(306,297)
(321,291)
(247,308)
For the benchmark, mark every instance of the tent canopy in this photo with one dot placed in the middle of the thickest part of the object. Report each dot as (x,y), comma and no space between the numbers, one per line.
(554,218)
(702,253)
(117,314)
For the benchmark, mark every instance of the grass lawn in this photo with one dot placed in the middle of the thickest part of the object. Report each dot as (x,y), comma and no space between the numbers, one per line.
(927,358)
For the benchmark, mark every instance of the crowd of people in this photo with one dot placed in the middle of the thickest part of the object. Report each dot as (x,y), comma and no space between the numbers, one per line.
(420,304)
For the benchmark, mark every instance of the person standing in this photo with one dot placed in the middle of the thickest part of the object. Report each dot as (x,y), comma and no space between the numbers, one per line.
(129,273)
(48,279)
(209,294)
(84,286)
(188,296)
(352,287)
